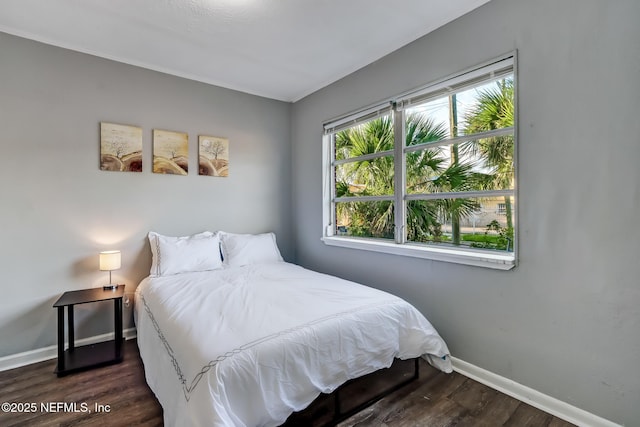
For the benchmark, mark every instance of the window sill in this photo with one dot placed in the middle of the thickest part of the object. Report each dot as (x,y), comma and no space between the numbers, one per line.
(457,256)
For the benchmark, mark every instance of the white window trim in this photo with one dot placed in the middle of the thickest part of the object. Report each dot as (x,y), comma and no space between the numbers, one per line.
(457,256)
(476,257)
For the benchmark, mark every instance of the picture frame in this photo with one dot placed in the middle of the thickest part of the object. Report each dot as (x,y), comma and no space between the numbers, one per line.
(170,152)
(120,147)
(213,156)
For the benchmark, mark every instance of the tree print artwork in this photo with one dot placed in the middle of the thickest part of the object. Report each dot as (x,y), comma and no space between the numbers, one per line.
(170,152)
(213,156)
(120,147)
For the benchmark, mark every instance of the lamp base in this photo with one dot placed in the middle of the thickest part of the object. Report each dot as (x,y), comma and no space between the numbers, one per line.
(110,287)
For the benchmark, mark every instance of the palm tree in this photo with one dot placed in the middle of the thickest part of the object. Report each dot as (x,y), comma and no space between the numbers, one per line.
(366,178)
(373,137)
(494,109)
(427,172)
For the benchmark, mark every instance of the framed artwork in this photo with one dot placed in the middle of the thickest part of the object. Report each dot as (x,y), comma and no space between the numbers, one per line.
(170,152)
(120,147)
(213,156)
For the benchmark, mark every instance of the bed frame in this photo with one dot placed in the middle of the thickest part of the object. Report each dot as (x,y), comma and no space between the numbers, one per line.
(331,409)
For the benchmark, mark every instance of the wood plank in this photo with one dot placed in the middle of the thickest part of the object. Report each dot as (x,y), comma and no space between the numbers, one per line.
(497,411)
(557,422)
(528,416)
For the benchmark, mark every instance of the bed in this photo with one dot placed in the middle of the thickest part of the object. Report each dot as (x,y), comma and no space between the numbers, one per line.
(249,340)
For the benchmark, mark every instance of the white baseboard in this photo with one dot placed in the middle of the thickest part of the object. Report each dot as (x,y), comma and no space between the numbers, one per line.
(530,396)
(51,352)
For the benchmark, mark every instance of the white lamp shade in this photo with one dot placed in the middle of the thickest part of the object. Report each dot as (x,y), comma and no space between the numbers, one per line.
(109,260)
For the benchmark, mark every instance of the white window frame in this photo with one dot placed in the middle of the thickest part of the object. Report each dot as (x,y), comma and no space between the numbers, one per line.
(503,65)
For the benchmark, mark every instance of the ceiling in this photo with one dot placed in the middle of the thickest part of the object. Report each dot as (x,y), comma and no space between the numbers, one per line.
(280,49)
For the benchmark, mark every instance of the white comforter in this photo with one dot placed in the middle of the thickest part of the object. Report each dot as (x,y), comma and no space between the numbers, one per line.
(248,346)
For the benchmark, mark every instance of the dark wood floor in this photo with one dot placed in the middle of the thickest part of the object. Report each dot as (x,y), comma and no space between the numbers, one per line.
(436,399)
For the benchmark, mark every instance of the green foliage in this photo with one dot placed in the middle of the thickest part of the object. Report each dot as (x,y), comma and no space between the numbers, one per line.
(503,240)
(428,170)
(422,224)
(370,219)
(480,238)
(494,110)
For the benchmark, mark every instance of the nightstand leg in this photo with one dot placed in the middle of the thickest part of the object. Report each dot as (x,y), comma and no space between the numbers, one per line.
(70,329)
(117,308)
(60,339)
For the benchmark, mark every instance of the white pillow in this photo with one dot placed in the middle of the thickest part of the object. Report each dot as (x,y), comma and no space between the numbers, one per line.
(246,249)
(173,255)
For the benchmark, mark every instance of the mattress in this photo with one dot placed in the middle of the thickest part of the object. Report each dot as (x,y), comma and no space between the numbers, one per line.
(247,346)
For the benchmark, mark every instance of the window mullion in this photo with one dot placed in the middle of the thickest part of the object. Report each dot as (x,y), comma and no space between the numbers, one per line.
(333,185)
(364,157)
(458,139)
(461,195)
(362,199)
(400,177)
(329,186)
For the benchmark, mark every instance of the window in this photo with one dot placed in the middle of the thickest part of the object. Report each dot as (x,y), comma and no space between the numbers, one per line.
(430,173)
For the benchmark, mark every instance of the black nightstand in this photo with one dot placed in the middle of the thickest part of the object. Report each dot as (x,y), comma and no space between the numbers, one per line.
(92,355)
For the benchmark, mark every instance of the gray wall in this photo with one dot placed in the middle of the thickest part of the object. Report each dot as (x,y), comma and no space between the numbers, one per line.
(566,321)
(58,209)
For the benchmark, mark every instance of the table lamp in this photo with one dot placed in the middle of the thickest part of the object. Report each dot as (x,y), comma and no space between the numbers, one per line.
(109,261)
